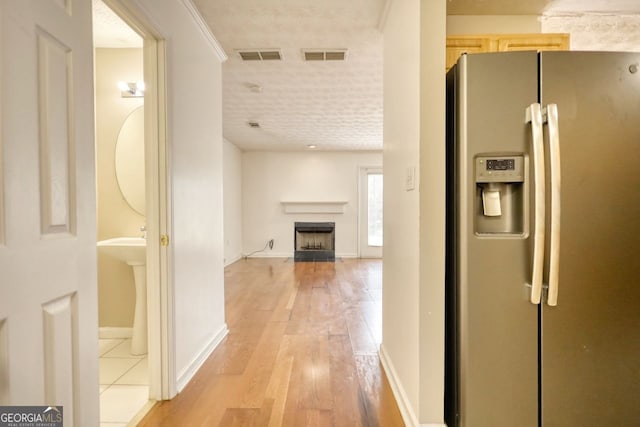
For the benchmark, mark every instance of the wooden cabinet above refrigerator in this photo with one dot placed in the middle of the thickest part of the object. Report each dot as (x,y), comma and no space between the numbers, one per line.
(457,45)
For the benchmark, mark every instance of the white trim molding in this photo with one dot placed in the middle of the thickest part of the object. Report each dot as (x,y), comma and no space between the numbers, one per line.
(384,12)
(330,206)
(408,415)
(269,255)
(206,31)
(347,255)
(230,261)
(187,373)
(290,255)
(112,332)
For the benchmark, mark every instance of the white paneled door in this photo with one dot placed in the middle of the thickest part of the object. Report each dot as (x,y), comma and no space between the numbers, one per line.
(48,291)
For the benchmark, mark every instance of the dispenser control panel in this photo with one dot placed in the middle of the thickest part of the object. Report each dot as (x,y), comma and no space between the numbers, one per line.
(500,164)
(499,169)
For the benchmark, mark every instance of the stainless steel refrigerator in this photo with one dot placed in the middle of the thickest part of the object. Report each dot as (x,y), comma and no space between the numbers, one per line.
(543,240)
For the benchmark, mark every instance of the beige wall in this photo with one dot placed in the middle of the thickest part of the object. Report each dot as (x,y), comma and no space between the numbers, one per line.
(492,24)
(116,292)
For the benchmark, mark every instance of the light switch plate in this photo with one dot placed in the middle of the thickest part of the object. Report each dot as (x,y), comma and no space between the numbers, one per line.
(410,178)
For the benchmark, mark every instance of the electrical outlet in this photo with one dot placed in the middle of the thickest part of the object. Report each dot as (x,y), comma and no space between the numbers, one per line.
(271,244)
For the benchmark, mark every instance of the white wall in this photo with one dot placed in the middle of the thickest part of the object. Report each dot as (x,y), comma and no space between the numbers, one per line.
(432,210)
(272,177)
(194,114)
(232,166)
(400,298)
(412,348)
(492,24)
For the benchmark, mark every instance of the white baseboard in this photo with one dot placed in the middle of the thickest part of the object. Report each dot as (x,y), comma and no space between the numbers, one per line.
(232,260)
(408,415)
(347,256)
(188,372)
(270,254)
(112,332)
(290,255)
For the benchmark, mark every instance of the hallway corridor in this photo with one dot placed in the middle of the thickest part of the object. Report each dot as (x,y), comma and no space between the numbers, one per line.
(301,351)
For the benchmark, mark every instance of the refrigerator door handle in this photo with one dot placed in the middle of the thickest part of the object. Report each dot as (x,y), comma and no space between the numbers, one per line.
(534,116)
(554,158)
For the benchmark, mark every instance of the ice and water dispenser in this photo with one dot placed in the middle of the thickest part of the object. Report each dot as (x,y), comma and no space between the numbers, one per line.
(499,203)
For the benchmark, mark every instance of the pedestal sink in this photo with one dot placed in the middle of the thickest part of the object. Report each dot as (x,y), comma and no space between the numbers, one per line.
(132,250)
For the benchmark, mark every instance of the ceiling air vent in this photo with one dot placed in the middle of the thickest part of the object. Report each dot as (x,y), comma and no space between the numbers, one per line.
(325,54)
(260,54)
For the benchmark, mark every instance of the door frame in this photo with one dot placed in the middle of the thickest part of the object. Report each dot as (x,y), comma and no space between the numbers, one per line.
(161,354)
(363,171)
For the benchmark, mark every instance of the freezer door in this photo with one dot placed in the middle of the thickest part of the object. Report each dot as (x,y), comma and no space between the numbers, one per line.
(496,325)
(591,339)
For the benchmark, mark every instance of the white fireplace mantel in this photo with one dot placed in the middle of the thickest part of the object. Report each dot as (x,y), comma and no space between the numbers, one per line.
(297,207)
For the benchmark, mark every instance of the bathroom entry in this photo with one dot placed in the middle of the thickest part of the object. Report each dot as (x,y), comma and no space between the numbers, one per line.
(120,190)
(131,213)
(120,180)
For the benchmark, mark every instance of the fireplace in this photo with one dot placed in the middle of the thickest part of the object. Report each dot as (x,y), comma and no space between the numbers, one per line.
(314,241)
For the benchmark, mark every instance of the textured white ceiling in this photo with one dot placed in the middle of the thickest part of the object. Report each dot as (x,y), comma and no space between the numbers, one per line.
(540,7)
(592,6)
(111,31)
(334,105)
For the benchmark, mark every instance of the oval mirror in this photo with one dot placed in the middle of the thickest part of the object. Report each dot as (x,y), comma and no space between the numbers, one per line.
(130,160)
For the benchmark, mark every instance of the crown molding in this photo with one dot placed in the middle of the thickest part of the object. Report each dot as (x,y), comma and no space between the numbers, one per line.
(384,13)
(206,31)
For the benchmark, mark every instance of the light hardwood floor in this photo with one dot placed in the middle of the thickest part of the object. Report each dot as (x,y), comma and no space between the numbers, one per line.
(301,351)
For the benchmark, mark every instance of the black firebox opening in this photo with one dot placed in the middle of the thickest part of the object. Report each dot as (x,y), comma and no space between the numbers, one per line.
(314,241)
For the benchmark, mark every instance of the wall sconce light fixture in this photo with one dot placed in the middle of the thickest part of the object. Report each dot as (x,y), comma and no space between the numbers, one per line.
(131,89)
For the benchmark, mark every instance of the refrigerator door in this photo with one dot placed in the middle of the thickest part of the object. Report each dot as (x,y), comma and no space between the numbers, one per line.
(497,327)
(590,346)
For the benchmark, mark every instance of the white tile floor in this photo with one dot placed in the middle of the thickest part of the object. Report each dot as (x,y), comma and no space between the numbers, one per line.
(124,382)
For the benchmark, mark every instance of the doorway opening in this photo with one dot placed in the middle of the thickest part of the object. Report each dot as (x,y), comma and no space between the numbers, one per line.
(370,218)
(135,363)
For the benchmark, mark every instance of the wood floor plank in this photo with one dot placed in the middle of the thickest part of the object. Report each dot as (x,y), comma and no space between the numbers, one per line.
(344,382)
(247,417)
(301,351)
(376,392)
(233,354)
(261,366)
(309,386)
(239,417)
(314,418)
(361,339)
(278,387)
(372,315)
(282,311)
